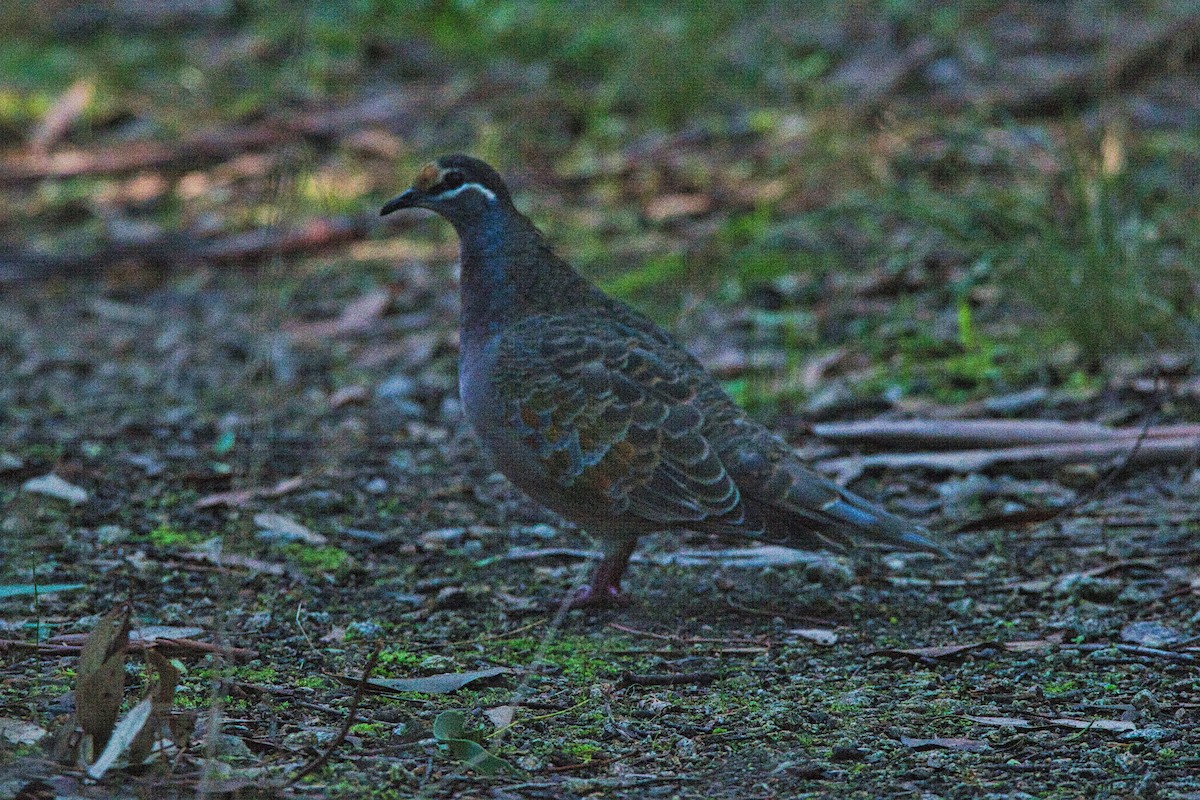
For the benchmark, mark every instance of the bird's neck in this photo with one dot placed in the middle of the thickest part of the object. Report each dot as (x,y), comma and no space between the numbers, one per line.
(509,273)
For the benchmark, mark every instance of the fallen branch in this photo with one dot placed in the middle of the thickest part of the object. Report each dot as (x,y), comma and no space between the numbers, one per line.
(1150,451)
(72,644)
(175,249)
(679,679)
(216,144)
(1134,650)
(932,655)
(189,153)
(1138,52)
(956,434)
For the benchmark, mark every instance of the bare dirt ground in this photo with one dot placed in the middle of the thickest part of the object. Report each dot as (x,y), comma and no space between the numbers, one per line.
(1054,661)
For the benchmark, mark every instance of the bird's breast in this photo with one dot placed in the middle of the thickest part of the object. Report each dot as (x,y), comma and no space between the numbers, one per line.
(489,412)
(476,368)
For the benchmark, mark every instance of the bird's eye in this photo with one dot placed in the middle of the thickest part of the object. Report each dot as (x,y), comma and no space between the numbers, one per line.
(453,179)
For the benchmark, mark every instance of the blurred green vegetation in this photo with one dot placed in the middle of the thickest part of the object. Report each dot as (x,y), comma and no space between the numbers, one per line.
(1064,233)
(1105,257)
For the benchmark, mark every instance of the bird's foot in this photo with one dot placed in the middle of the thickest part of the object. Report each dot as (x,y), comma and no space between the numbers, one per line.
(600,597)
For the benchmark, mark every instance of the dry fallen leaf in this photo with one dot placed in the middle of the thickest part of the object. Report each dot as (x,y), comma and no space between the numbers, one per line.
(66,109)
(501,716)
(149,633)
(122,737)
(1011,722)
(288,527)
(430,684)
(53,486)
(933,653)
(162,697)
(355,318)
(951,743)
(673,206)
(355,393)
(820,636)
(1111,725)
(1025,645)
(101,677)
(1150,633)
(240,497)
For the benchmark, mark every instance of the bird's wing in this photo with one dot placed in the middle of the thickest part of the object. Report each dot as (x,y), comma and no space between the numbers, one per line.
(610,417)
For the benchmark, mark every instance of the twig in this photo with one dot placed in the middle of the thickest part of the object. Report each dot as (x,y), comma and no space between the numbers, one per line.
(1133,650)
(1011,519)
(671,637)
(1167,450)
(164,643)
(347,723)
(680,679)
(595,762)
(40,647)
(980,433)
(475,640)
(763,612)
(66,646)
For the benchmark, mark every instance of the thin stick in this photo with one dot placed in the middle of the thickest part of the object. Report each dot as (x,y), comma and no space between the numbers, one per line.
(347,723)
(677,679)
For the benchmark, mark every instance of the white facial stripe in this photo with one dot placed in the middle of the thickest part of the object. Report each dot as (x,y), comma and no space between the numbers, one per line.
(483,190)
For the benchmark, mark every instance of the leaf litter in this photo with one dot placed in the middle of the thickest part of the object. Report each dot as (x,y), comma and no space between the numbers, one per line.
(1040,636)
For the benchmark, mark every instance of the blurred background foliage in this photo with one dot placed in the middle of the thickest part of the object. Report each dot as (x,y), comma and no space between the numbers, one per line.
(945,199)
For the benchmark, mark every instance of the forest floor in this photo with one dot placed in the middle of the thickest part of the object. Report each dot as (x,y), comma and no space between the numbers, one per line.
(254,446)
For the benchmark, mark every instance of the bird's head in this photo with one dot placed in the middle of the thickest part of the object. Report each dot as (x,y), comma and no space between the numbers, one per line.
(458,187)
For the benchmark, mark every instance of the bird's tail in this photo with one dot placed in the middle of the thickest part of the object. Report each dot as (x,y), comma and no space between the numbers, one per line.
(860,519)
(797,507)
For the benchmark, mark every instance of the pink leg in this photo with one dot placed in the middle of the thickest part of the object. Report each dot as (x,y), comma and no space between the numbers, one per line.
(605,589)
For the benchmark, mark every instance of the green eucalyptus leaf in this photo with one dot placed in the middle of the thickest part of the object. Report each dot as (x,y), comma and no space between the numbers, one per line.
(449,728)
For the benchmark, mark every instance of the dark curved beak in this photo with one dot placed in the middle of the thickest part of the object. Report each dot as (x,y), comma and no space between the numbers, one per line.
(407,200)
